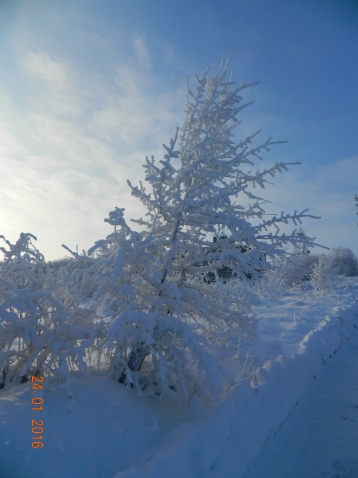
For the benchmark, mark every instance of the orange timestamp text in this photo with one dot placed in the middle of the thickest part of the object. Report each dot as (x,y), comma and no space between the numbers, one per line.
(37,425)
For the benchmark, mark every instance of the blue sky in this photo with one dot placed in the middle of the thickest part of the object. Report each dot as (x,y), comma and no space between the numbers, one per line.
(88,89)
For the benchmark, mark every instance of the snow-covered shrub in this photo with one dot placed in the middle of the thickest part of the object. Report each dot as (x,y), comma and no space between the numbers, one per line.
(77,271)
(273,281)
(39,335)
(297,268)
(58,264)
(23,265)
(165,318)
(42,327)
(323,274)
(344,260)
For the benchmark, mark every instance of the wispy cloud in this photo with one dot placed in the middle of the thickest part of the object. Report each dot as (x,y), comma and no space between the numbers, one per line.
(132,115)
(65,163)
(41,66)
(52,84)
(141,50)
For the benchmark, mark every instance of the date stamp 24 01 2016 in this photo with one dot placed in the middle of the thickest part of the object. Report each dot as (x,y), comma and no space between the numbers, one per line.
(37,425)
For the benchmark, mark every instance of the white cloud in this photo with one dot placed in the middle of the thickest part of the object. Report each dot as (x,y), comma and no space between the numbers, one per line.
(61,190)
(62,173)
(134,114)
(52,86)
(141,51)
(41,66)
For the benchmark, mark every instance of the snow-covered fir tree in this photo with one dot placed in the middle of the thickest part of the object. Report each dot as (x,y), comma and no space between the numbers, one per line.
(166,320)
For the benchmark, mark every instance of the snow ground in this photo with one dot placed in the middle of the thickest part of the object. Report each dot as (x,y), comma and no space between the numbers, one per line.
(320,437)
(105,431)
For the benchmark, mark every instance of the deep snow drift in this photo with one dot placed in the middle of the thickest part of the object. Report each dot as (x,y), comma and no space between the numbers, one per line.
(106,431)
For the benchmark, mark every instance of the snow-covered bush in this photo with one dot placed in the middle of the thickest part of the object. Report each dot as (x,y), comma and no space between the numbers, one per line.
(38,334)
(166,320)
(345,261)
(23,265)
(77,271)
(58,264)
(297,268)
(323,274)
(274,280)
(42,328)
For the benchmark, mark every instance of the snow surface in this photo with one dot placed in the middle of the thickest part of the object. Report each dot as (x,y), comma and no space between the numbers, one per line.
(106,431)
(320,437)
